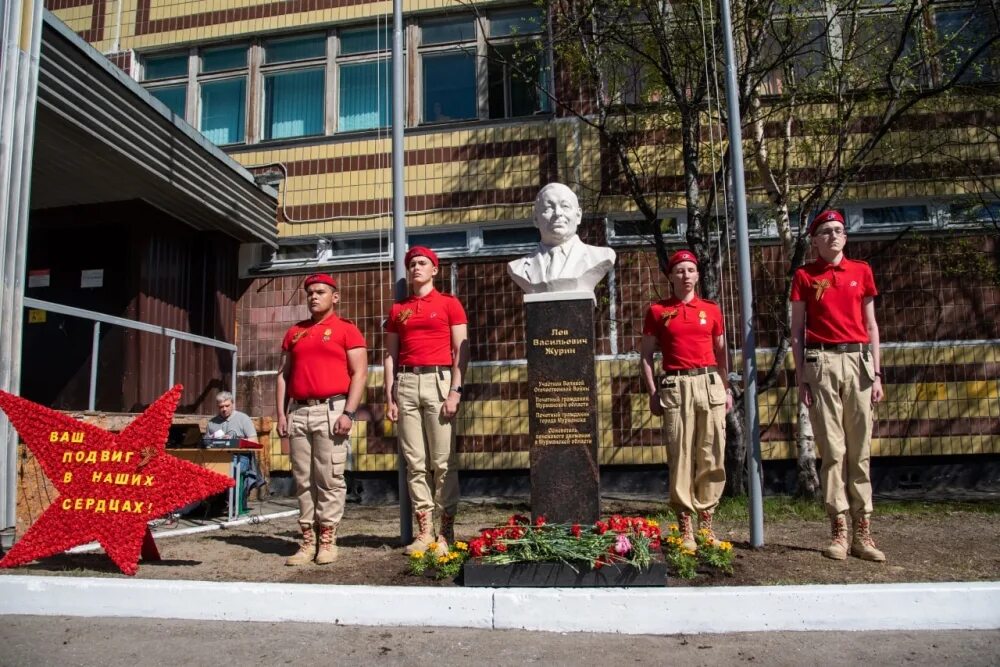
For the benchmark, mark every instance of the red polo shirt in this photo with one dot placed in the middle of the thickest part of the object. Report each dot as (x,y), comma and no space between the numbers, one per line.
(317,356)
(686,331)
(833,295)
(424,324)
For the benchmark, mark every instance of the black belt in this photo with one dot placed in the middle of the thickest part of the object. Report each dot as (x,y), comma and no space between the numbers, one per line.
(423,369)
(840,347)
(689,372)
(311,402)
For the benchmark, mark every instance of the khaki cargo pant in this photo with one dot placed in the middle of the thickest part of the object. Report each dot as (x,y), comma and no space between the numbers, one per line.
(427,441)
(841,416)
(318,461)
(694,428)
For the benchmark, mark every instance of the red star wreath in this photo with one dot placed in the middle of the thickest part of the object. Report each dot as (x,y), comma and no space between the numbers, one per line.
(109,485)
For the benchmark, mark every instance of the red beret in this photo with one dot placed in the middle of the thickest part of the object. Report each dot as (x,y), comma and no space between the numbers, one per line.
(826,216)
(421,251)
(321,278)
(681,256)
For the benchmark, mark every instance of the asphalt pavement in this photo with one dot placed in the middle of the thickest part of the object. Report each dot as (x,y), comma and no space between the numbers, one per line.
(111,642)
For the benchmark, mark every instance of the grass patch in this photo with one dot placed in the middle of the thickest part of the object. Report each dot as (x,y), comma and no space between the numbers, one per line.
(783,508)
(935,508)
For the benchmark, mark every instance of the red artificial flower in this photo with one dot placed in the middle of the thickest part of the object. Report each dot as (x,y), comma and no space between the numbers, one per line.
(110,484)
(575,530)
(540,520)
(478,547)
(601,527)
(500,547)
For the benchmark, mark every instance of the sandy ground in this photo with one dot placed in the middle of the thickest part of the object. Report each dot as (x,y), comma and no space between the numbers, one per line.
(944,546)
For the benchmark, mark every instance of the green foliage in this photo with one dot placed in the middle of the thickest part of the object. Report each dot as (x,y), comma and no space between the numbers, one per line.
(442,567)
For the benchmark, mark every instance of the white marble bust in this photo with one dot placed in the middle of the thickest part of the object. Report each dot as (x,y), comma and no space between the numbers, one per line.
(562,262)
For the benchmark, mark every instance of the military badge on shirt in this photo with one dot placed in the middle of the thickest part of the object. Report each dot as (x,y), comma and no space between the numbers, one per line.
(667,316)
(403,316)
(702,317)
(326,335)
(297,337)
(821,286)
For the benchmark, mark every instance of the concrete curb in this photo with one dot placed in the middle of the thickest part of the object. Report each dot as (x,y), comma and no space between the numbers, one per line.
(932,606)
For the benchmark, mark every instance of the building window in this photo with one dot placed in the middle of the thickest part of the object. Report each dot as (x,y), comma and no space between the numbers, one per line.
(294,75)
(448,63)
(222,88)
(365,80)
(175,97)
(166,66)
(638,231)
(912,214)
(223,111)
(960,32)
(504,47)
(441,242)
(170,74)
(517,68)
(495,238)
(974,212)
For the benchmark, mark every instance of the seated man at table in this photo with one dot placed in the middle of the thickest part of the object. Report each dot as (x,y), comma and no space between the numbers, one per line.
(230,422)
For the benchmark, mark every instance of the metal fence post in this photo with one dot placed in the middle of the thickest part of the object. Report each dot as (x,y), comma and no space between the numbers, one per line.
(95,348)
(173,359)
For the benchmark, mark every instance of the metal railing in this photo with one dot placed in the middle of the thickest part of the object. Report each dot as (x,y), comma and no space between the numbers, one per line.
(100,318)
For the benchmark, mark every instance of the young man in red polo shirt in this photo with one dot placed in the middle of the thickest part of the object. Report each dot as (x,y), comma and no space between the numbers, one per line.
(427,352)
(692,395)
(835,342)
(321,381)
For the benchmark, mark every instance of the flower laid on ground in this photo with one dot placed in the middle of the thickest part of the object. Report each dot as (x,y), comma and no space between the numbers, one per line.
(441,567)
(619,539)
(685,562)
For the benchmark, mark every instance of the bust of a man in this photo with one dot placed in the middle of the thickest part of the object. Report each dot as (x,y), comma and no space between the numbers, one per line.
(561,262)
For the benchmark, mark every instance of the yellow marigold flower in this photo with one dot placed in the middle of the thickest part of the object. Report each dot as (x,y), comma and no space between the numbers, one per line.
(461,546)
(442,560)
(673,526)
(432,546)
(417,555)
(703,531)
(725,546)
(687,552)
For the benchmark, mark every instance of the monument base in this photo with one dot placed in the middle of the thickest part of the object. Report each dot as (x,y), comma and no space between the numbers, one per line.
(562,407)
(476,574)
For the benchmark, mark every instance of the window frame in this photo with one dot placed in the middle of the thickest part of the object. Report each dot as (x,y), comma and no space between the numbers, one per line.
(478,46)
(339,60)
(194,78)
(265,70)
(256,73)
(615,239)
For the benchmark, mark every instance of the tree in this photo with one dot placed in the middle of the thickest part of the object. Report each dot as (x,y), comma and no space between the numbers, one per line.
(840,107)
(824,91)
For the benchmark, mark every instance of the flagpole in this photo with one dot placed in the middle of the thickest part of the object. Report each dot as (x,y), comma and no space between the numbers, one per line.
(399,231)
(752,430)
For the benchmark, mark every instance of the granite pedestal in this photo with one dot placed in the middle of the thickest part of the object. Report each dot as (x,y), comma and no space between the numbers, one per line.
(562,406)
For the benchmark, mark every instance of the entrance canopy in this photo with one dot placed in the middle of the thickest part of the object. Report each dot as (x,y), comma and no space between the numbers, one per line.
(100,137)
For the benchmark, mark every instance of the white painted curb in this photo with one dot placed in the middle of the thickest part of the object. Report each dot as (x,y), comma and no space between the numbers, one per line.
(932,606)
(242,601)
